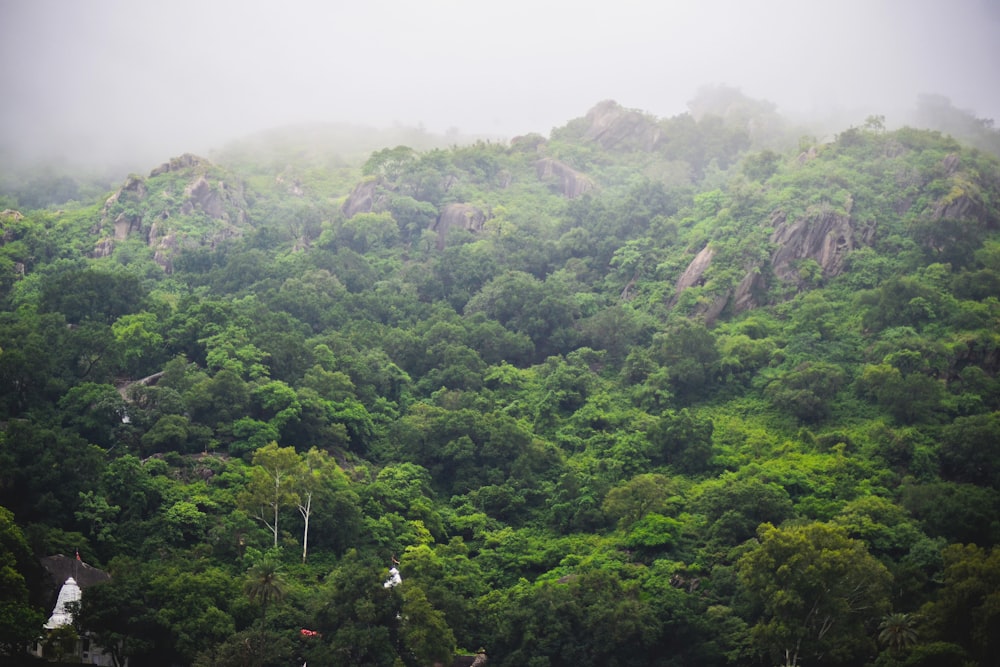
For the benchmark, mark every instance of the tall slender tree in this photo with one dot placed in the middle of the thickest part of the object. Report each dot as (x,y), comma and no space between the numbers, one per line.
(265,584)
(272,480)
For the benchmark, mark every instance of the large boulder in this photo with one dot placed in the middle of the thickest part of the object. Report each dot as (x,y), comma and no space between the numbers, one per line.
(694,276)
(121,209)
(182,163)
(569,182)
(364,198)
(185,202)
(615,127)
(824,235)
(695,270)
(458,216)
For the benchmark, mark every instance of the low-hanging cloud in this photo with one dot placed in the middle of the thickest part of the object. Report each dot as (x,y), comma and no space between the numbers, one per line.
(114,79)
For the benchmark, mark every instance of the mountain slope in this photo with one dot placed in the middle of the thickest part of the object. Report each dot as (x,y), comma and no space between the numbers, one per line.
(645,391)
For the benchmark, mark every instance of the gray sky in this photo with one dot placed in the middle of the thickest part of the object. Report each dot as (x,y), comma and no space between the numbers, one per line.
(114,78)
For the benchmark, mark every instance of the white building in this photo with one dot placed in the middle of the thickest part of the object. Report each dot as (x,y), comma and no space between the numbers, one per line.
(67,645)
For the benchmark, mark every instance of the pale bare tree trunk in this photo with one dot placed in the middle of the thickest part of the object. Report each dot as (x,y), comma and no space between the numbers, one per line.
(305,510)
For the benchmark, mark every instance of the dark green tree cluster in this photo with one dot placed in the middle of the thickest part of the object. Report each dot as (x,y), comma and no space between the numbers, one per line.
(628,426)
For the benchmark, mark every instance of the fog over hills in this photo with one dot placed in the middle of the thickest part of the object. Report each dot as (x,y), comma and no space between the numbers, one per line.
(111,80)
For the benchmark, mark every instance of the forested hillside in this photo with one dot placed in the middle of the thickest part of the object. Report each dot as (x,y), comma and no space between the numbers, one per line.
(698,390)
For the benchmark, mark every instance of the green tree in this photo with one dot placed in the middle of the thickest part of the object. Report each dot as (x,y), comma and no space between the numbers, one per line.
(808,390)
(817,590)
(94,410)
(265,583)
(424,632)
(910,398)
(687,350)
(121,617)
(389,163)
(644,493)
(734,507)
(20,619)
(682,440)
(966,609)
(970,450)
(44,470)
(272,485)
(358,618)
(897,632)
(253,647)
(194,602)
(320,478)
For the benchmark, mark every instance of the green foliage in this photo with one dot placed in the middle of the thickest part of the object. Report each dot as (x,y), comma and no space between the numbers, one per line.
(807,391)
(20,619)
(965,609)
(817,590)
(571,462)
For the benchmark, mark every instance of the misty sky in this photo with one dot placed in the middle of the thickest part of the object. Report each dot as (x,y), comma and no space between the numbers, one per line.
(120,78)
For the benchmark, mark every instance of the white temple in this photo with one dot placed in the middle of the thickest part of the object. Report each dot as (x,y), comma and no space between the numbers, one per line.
(61,615)
(394,579)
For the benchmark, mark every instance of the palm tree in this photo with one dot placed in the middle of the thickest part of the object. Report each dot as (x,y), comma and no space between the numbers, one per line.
(265,583)
(896,631)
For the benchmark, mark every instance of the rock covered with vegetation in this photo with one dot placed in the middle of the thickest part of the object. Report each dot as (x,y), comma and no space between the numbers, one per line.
(734,402)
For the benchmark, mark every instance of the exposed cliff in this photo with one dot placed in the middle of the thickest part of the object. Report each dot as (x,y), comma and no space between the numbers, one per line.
(568,181)
(824,236)
(813,246)
(185,202)
(364,198)
(458,216)
(617,128)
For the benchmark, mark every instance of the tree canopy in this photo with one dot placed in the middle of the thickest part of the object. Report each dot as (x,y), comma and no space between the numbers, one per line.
(646,391)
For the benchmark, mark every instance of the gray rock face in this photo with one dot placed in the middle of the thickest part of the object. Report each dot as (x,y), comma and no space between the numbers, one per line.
(615,127)
(201,195)
(825,237)
(147,207)
(749,292)
(125,219)
(529,143)
(570,182)
(363,199)
(693,273)
(460,216)
(186,161)
(694,276)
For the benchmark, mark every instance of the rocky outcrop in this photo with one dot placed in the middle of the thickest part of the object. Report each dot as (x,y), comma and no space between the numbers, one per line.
(458,216)
(364,198)
(59,568)
(965,199)
(749,293)
(569,182)
(694,276)
(186,161)
(528,143)
(695,270)
(824,236)
(963,202)
(199,195)
(7,230)
(156,208)
(121,209)
(615,127)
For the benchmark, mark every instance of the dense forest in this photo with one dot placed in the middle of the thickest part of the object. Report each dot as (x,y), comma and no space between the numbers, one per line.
(710,389)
